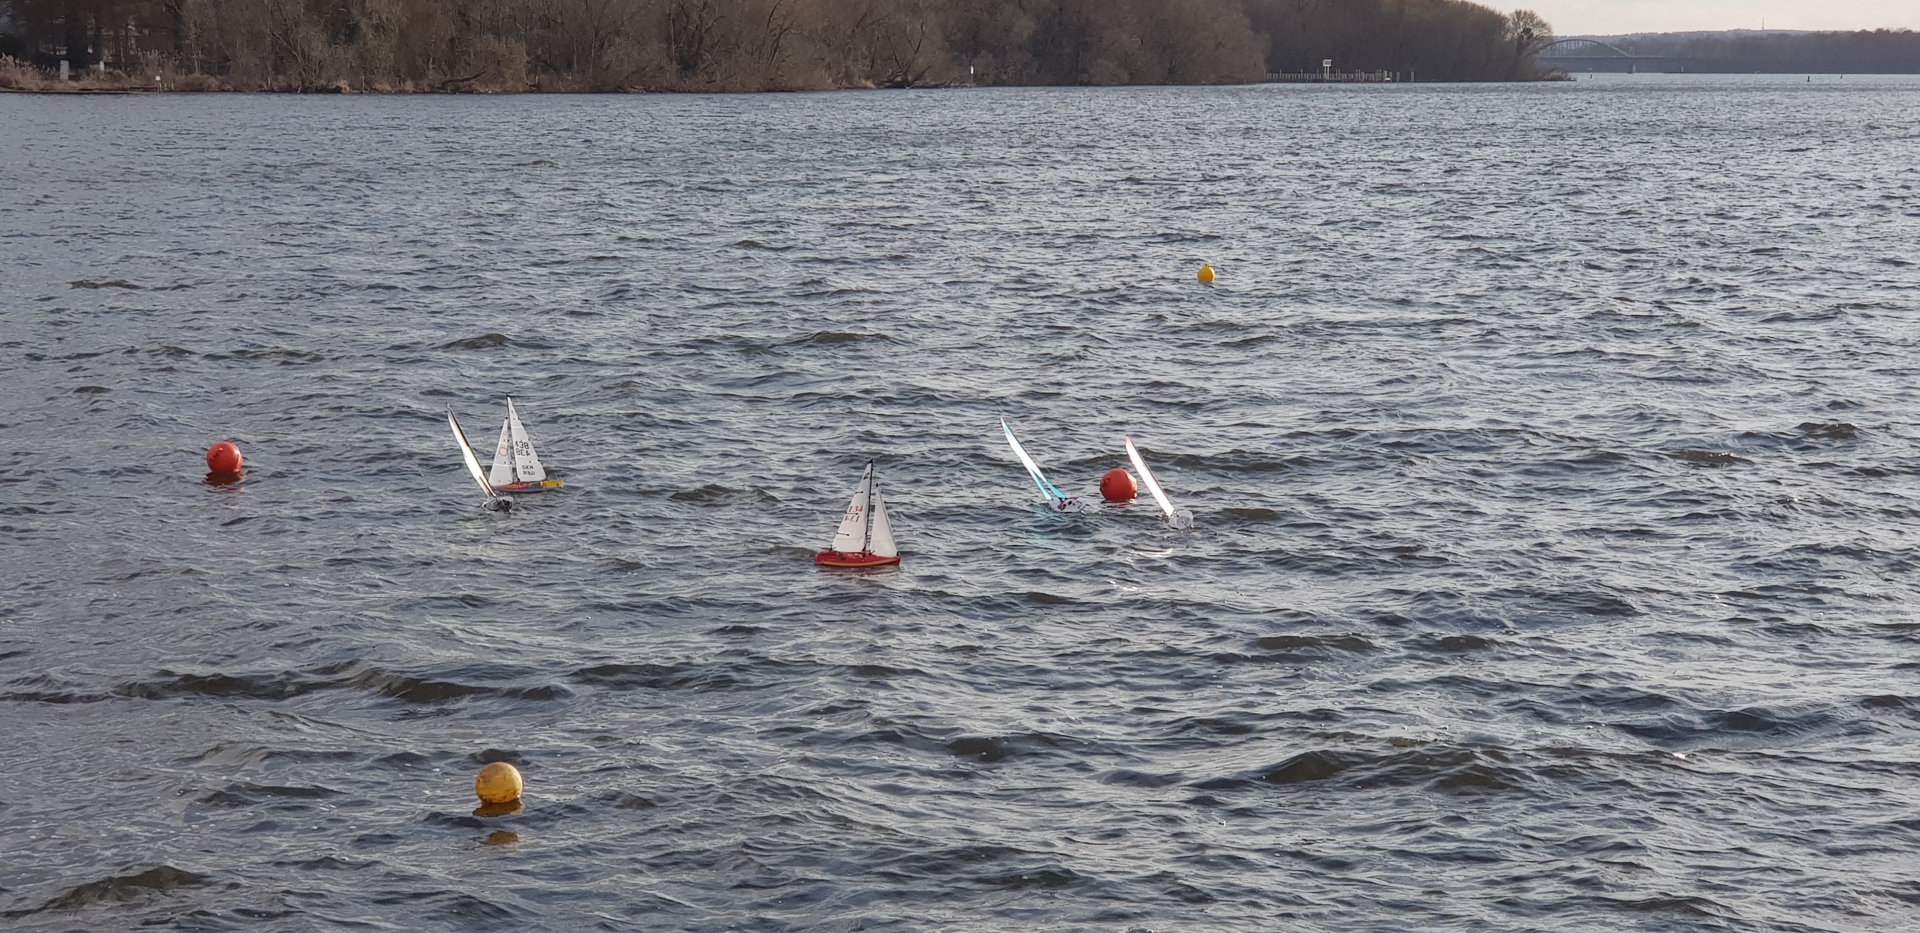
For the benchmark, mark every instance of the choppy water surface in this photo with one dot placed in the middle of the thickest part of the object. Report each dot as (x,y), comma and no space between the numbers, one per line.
(1552,450)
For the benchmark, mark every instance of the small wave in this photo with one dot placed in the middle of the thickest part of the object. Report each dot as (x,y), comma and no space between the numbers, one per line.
(1313,766)
(280,685)
(44,688)
(1043,598)
(462,911)
(122,888)
(1307,642)
(1447,769)
(251,795)
(1237,461)
(404,760)
(653,677)
(1692,906)
(249,756)
(713,492)
(282,354)
(1712,458)
(1738,725)
(1583,602)
(408,688)
(168,685)
(1044,878)
(622,800)
(482,342)
(982,748)
(994,748)
(1254,515)
(1454,644)
(832,337)
(1217,725)
(1833,430)
(105,283)
(1126,777)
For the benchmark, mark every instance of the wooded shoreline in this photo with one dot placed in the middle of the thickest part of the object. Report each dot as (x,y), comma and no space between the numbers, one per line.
(513,46)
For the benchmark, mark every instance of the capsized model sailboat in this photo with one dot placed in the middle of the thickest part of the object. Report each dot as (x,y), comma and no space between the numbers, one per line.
(1178,519)
(865,538)
(495,501)
(516,468)
(1056,500)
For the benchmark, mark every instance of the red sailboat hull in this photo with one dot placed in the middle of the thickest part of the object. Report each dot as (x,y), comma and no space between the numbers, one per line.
(541,486)
(856,559)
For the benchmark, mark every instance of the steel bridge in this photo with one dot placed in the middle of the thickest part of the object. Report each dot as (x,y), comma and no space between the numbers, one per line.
(1592,55)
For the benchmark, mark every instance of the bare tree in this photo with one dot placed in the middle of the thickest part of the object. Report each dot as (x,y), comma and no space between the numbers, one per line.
(1527,33)
(507,45)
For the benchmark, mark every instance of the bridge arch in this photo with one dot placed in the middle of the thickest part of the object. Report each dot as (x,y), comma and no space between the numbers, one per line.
(1583,48)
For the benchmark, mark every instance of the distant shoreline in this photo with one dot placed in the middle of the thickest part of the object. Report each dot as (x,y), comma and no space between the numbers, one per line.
(132,88)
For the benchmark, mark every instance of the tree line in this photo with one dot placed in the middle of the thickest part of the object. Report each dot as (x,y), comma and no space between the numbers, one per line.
(1881,51)
(750,45)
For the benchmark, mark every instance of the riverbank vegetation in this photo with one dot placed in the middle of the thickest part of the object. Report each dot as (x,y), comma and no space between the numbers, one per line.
(744,45)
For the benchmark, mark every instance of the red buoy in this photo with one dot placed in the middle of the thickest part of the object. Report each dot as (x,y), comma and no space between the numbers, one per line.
(1118,486)
(224,458)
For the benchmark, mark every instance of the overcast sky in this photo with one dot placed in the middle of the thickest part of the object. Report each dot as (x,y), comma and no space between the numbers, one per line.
(1614,17)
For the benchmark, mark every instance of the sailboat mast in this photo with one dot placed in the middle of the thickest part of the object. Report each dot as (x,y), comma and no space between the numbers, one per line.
(866,543)
(513,460)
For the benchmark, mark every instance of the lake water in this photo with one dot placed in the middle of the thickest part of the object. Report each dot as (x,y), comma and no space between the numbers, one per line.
(1552,448)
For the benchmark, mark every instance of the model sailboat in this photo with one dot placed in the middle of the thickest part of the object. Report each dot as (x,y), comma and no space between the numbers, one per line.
(1177,518)
(495,501)
(516,468)
(865,538)
(1056,500)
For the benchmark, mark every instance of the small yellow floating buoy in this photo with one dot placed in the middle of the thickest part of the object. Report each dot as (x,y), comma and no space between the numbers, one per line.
(1206,273)
(498,783)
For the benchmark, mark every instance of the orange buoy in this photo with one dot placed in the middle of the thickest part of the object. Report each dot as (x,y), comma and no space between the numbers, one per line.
(1118,486)
(1206,273)
(224,458)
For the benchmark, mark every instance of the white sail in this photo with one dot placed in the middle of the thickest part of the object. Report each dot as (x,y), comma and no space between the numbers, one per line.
(502,472)
(1047,490)
(526,463)
(880,540)
(466,452)
(852,536)
(1146,476)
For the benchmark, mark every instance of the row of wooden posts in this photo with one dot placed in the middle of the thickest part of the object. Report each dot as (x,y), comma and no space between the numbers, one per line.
(1339,77)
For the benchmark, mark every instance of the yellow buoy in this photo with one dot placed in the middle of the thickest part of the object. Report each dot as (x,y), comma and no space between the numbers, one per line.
(1206,273)
(498,783)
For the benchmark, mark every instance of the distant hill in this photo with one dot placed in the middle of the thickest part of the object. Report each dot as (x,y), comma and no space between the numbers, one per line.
(1776,51)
